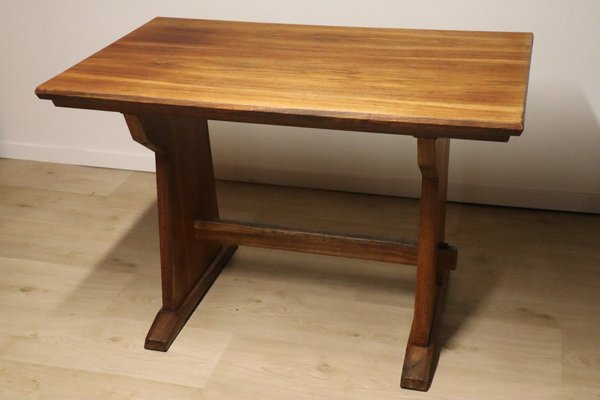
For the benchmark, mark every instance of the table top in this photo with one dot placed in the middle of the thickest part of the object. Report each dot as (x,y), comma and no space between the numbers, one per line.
(427,83)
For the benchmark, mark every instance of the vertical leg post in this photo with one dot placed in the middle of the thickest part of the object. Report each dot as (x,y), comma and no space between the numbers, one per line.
(433,163)
(185,191)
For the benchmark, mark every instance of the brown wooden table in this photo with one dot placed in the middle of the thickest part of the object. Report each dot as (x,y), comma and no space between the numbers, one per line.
(172,75)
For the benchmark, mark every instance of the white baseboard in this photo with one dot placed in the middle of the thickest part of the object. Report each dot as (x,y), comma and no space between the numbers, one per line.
(393,186)
(523,197)
(390,186)
(77,156)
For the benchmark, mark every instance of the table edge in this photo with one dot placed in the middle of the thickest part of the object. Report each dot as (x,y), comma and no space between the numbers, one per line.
(471,130)
(475,129)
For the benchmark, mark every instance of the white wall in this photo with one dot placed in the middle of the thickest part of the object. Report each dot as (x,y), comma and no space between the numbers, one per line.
(555,164)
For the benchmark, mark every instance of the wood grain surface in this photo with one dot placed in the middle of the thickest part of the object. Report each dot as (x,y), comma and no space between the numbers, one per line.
(365,247)
(185,190)
(420,82)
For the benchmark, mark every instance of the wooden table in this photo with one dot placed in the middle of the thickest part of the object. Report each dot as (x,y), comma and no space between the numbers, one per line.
(172,75)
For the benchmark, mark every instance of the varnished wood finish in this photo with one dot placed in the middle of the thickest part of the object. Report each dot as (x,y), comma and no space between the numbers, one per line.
(402,81)
(432,156)
(186,190)
(168,323)
(416,368)
(171,75)
(341,245)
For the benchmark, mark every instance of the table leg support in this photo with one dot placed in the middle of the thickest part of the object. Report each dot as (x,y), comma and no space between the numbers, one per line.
(185,192)
(431,275)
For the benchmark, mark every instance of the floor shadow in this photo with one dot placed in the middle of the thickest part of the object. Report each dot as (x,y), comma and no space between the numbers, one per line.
(133,264)
(474,278)
(127,272)
(470,284)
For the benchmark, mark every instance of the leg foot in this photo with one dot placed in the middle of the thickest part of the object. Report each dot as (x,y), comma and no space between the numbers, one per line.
(416,372)
(418,368)
(167,324)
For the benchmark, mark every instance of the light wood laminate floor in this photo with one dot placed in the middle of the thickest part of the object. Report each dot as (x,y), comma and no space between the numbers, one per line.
(80,285)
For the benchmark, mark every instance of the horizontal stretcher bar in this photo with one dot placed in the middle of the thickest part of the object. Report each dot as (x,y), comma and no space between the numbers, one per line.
(352,246)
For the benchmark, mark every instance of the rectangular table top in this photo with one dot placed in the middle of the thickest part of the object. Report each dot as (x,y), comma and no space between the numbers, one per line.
(418,82)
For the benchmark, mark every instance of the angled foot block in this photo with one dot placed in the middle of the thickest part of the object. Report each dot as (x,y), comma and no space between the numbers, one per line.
(416,372)
(167,324)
